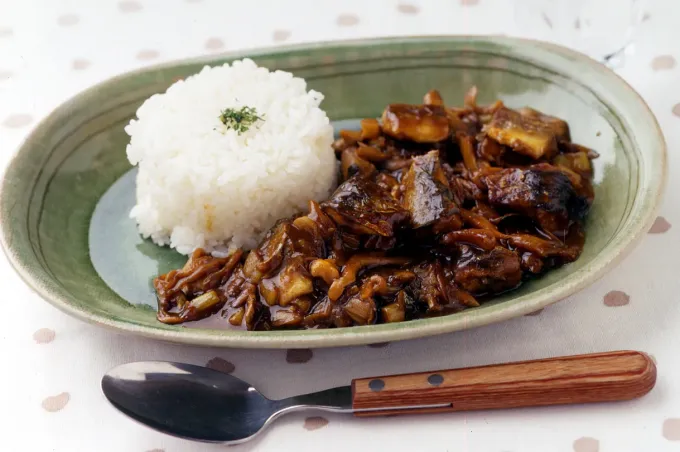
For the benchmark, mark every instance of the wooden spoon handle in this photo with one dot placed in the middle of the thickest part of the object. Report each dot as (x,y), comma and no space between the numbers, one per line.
(599,377)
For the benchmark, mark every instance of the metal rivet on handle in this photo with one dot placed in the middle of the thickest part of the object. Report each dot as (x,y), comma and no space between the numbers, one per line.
(376,385)
(435,379)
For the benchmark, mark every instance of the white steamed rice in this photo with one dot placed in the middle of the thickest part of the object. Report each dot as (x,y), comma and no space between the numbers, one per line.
(202,186)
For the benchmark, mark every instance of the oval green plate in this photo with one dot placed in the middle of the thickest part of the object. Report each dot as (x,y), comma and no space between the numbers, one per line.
(96,267)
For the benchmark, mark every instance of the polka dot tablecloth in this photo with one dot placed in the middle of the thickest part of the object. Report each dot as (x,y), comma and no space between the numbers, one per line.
(50,399)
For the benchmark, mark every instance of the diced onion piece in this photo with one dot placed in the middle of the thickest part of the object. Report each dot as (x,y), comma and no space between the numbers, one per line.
(205,302)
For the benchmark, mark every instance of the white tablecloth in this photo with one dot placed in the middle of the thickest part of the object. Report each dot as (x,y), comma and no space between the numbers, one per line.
(50,399)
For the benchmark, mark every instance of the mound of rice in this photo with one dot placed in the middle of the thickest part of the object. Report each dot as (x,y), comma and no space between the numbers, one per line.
(201,184)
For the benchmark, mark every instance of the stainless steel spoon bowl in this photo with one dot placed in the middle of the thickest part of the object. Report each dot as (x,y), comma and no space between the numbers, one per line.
(202,404)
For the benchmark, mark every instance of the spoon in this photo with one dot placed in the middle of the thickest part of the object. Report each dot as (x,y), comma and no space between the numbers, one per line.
(203,404)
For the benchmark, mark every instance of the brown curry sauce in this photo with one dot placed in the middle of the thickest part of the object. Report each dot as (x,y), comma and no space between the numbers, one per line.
(439,209)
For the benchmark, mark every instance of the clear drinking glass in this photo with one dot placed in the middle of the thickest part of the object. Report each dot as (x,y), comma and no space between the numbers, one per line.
(602,29)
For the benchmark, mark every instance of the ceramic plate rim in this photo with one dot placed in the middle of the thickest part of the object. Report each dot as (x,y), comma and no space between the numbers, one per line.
(522,305)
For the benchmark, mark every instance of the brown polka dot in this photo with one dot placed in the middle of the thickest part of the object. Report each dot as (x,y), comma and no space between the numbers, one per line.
(407,8)
(671,429)
(379,345)
(5,75)
(347,20)
(68,20)
(129,6)
(80,64)
(535,313)
(315,423)
(663,63)
(6,32)
(660,226)
(18,120)
(281,35)
(145,55)
(221,365)
(616,298)
(676,109)
(214,44)
(44,336)
(586,445)
(56,403)
(469,2)
(299,356)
